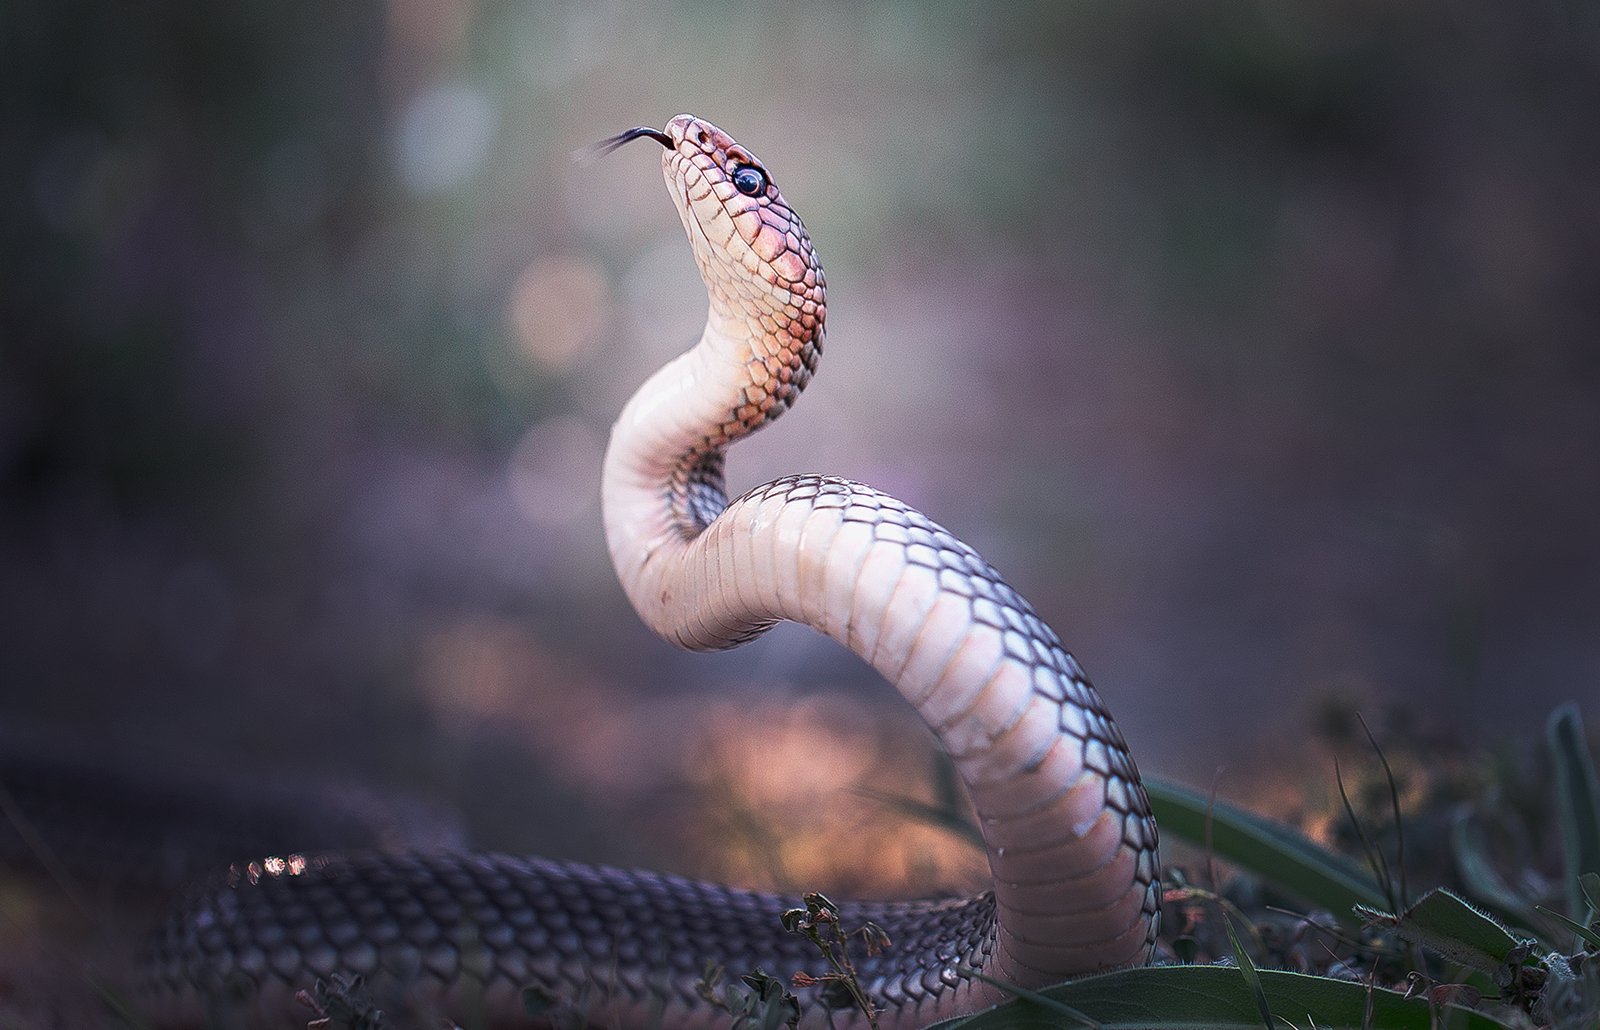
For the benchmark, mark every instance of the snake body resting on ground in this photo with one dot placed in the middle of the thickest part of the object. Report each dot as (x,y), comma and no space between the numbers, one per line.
(1070,838)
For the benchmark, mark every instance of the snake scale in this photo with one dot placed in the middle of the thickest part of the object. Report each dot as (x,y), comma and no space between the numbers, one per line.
(1070,838)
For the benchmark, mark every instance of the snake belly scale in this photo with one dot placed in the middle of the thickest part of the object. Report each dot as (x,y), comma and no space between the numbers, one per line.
(1070,838)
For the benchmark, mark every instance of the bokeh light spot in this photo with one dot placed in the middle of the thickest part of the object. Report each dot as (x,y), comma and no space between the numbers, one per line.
(444,134)
(555,472)
(558,307)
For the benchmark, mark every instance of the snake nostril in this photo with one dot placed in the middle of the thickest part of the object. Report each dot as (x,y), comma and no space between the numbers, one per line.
(703,137)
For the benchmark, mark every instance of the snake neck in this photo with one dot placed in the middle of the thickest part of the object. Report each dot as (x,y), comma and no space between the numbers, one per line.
(662,482)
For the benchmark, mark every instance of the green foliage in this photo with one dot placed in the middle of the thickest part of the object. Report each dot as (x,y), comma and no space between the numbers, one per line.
(1469,970)
(1447,925)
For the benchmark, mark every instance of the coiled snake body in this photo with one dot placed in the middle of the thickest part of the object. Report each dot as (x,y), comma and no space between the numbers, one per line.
(1070,838)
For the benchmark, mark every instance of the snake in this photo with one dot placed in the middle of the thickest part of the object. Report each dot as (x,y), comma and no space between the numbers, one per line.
(502,940)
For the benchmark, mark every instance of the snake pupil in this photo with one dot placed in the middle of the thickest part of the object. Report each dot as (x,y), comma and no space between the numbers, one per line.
(749,180)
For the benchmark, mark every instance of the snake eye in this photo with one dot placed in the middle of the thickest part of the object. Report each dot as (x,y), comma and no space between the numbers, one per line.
(749,180)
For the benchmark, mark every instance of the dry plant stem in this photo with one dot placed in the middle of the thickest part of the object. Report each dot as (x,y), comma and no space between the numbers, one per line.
(824,914)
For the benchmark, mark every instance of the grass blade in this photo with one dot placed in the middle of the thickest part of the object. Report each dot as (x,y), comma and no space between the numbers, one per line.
(1375,857)
(1484,882)
(1043,1001)
(1217,998)
(1588,935)
(1247,970)
(949,812)
(1589,884)
(949,820)
(1267,849)
(1394,804)
(1578,797)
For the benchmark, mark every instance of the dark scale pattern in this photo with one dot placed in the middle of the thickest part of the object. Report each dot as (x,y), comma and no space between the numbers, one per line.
(697,491)
(428,933)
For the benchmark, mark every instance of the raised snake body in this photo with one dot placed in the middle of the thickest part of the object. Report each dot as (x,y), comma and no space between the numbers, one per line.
(1070,838)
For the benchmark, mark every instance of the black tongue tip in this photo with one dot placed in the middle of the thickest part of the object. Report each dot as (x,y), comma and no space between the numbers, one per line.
(610,143)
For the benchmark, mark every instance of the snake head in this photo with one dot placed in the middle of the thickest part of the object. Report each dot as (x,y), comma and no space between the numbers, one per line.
(747,240)
(738,223)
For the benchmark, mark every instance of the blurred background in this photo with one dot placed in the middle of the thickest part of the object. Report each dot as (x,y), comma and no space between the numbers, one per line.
(1260,346)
